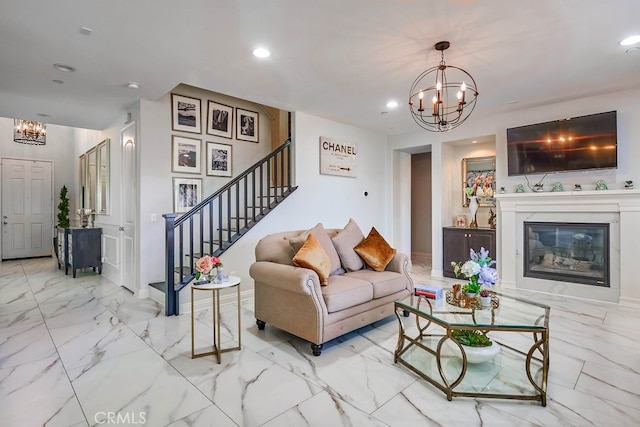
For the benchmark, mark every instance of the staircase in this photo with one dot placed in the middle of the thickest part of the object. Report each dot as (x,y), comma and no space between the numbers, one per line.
(220,220)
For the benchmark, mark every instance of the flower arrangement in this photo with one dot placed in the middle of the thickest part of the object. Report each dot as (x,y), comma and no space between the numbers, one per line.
(478,270)
(485,293)
(206,264)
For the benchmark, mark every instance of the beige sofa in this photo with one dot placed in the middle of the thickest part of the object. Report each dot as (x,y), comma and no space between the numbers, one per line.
(292,298)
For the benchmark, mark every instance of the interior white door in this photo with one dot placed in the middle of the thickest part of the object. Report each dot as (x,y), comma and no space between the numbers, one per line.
(27,208)
(129,194)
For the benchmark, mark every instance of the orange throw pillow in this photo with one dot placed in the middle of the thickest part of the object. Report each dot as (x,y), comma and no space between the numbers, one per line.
(312,255)
(375,251)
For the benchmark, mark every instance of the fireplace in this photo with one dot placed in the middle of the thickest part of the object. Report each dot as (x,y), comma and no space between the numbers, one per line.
(572,252)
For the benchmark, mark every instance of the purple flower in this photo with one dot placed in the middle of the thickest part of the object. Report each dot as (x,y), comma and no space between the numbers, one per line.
(487,276)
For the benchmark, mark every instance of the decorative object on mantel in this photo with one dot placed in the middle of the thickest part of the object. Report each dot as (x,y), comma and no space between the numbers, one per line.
(519,188)
(557,187)
(628,184)
(473,206)
(601,185)
(29,132)
(577,187)
(492,219)
(453,97)
(538,186)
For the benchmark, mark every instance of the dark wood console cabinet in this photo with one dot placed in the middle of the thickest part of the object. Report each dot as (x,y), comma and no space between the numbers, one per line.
(456,242)
(80,248)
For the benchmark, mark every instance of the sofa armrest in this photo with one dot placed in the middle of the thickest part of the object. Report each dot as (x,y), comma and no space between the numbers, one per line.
(401,264)
(286,277)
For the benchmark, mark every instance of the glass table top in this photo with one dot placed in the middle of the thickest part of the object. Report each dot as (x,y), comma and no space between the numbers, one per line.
(511,313)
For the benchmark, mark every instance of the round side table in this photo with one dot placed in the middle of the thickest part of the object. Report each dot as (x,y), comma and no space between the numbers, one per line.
(215,288)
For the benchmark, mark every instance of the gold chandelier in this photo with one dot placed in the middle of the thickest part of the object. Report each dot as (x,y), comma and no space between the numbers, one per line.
(29,132)
(452,97)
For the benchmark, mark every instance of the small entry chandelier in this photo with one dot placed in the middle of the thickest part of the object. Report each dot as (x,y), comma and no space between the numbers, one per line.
(29,132)
(449,99)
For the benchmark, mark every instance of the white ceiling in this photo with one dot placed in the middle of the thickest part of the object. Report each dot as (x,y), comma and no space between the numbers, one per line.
(340,59)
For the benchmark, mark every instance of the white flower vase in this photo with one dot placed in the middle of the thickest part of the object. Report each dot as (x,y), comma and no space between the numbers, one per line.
(220,276)
(473,208)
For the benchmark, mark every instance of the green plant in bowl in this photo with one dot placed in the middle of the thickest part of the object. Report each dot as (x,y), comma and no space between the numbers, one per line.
(471,338)
(471,288)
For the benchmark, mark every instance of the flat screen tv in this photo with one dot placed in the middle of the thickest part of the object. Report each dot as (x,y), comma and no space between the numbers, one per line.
(575,144)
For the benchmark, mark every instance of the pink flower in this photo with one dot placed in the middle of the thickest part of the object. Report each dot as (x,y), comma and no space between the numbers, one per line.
(205,264)
(216,261)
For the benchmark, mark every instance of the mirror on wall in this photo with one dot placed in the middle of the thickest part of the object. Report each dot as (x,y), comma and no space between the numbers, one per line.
(478,174)
(94,178)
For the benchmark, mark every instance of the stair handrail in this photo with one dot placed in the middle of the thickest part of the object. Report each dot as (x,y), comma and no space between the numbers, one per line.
(234,181)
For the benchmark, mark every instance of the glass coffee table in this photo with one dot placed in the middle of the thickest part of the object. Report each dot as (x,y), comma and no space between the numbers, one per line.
(519,327)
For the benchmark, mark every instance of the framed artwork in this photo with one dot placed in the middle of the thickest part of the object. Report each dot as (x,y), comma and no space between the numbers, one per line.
(185,114)
(219,159)
(186,155)
(338,157)
(478,174)
(246,125)
(219,120)
(461,221)
(187,192)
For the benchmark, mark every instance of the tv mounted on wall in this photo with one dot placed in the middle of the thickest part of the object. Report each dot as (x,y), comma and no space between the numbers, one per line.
(578,143)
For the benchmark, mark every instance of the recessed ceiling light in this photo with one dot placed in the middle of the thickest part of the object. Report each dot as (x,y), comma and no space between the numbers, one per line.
(383,112)
(392,104)
(630,40)
(513,102)
(133,85)
(86,31)
(474,141)
(64,68)
(261,52)
(58,81)
(44,115)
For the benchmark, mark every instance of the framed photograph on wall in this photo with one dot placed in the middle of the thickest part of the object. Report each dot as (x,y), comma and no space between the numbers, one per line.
(246,125)
(186,155)
(219,159)
(219,120)
(185,114)
(187,192)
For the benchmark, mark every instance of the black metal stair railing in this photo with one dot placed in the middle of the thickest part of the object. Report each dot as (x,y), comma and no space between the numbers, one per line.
(217,222)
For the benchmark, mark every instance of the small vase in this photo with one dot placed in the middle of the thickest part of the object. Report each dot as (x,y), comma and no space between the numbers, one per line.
(220,276)
(473,208)
(485,301)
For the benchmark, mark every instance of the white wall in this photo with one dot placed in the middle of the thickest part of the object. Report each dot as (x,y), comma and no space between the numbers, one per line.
(331,200)
(445,159)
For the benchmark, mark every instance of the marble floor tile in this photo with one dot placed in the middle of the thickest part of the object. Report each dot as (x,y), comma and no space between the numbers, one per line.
(25,343)
(114,352)
(38,393)
(74,311)
(87,344)
(322,410)
(207,417)
(135,384)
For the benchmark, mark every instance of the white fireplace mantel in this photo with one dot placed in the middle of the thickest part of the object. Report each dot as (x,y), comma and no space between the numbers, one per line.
(619,208)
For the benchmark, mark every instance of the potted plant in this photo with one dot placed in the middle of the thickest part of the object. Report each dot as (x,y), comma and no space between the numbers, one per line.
(63,216)
(485,298)
(478,270)
(628,184)
(476,345)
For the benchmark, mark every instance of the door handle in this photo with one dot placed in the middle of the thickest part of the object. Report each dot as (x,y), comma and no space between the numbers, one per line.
(5,222)
(120,228)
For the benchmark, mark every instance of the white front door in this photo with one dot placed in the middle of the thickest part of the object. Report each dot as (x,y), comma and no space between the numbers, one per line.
(27,208)
(129,194)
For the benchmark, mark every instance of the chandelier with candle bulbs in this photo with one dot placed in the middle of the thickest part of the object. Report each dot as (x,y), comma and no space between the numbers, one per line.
(29,132)
(442,97)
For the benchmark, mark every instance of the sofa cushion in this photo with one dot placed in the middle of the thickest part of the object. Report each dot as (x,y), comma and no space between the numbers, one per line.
(375,251)
(384,282)
(345,241)
(344,292)
(312,255)
(323,238)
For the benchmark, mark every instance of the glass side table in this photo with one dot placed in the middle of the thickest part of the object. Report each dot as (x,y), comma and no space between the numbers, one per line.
(215,288)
